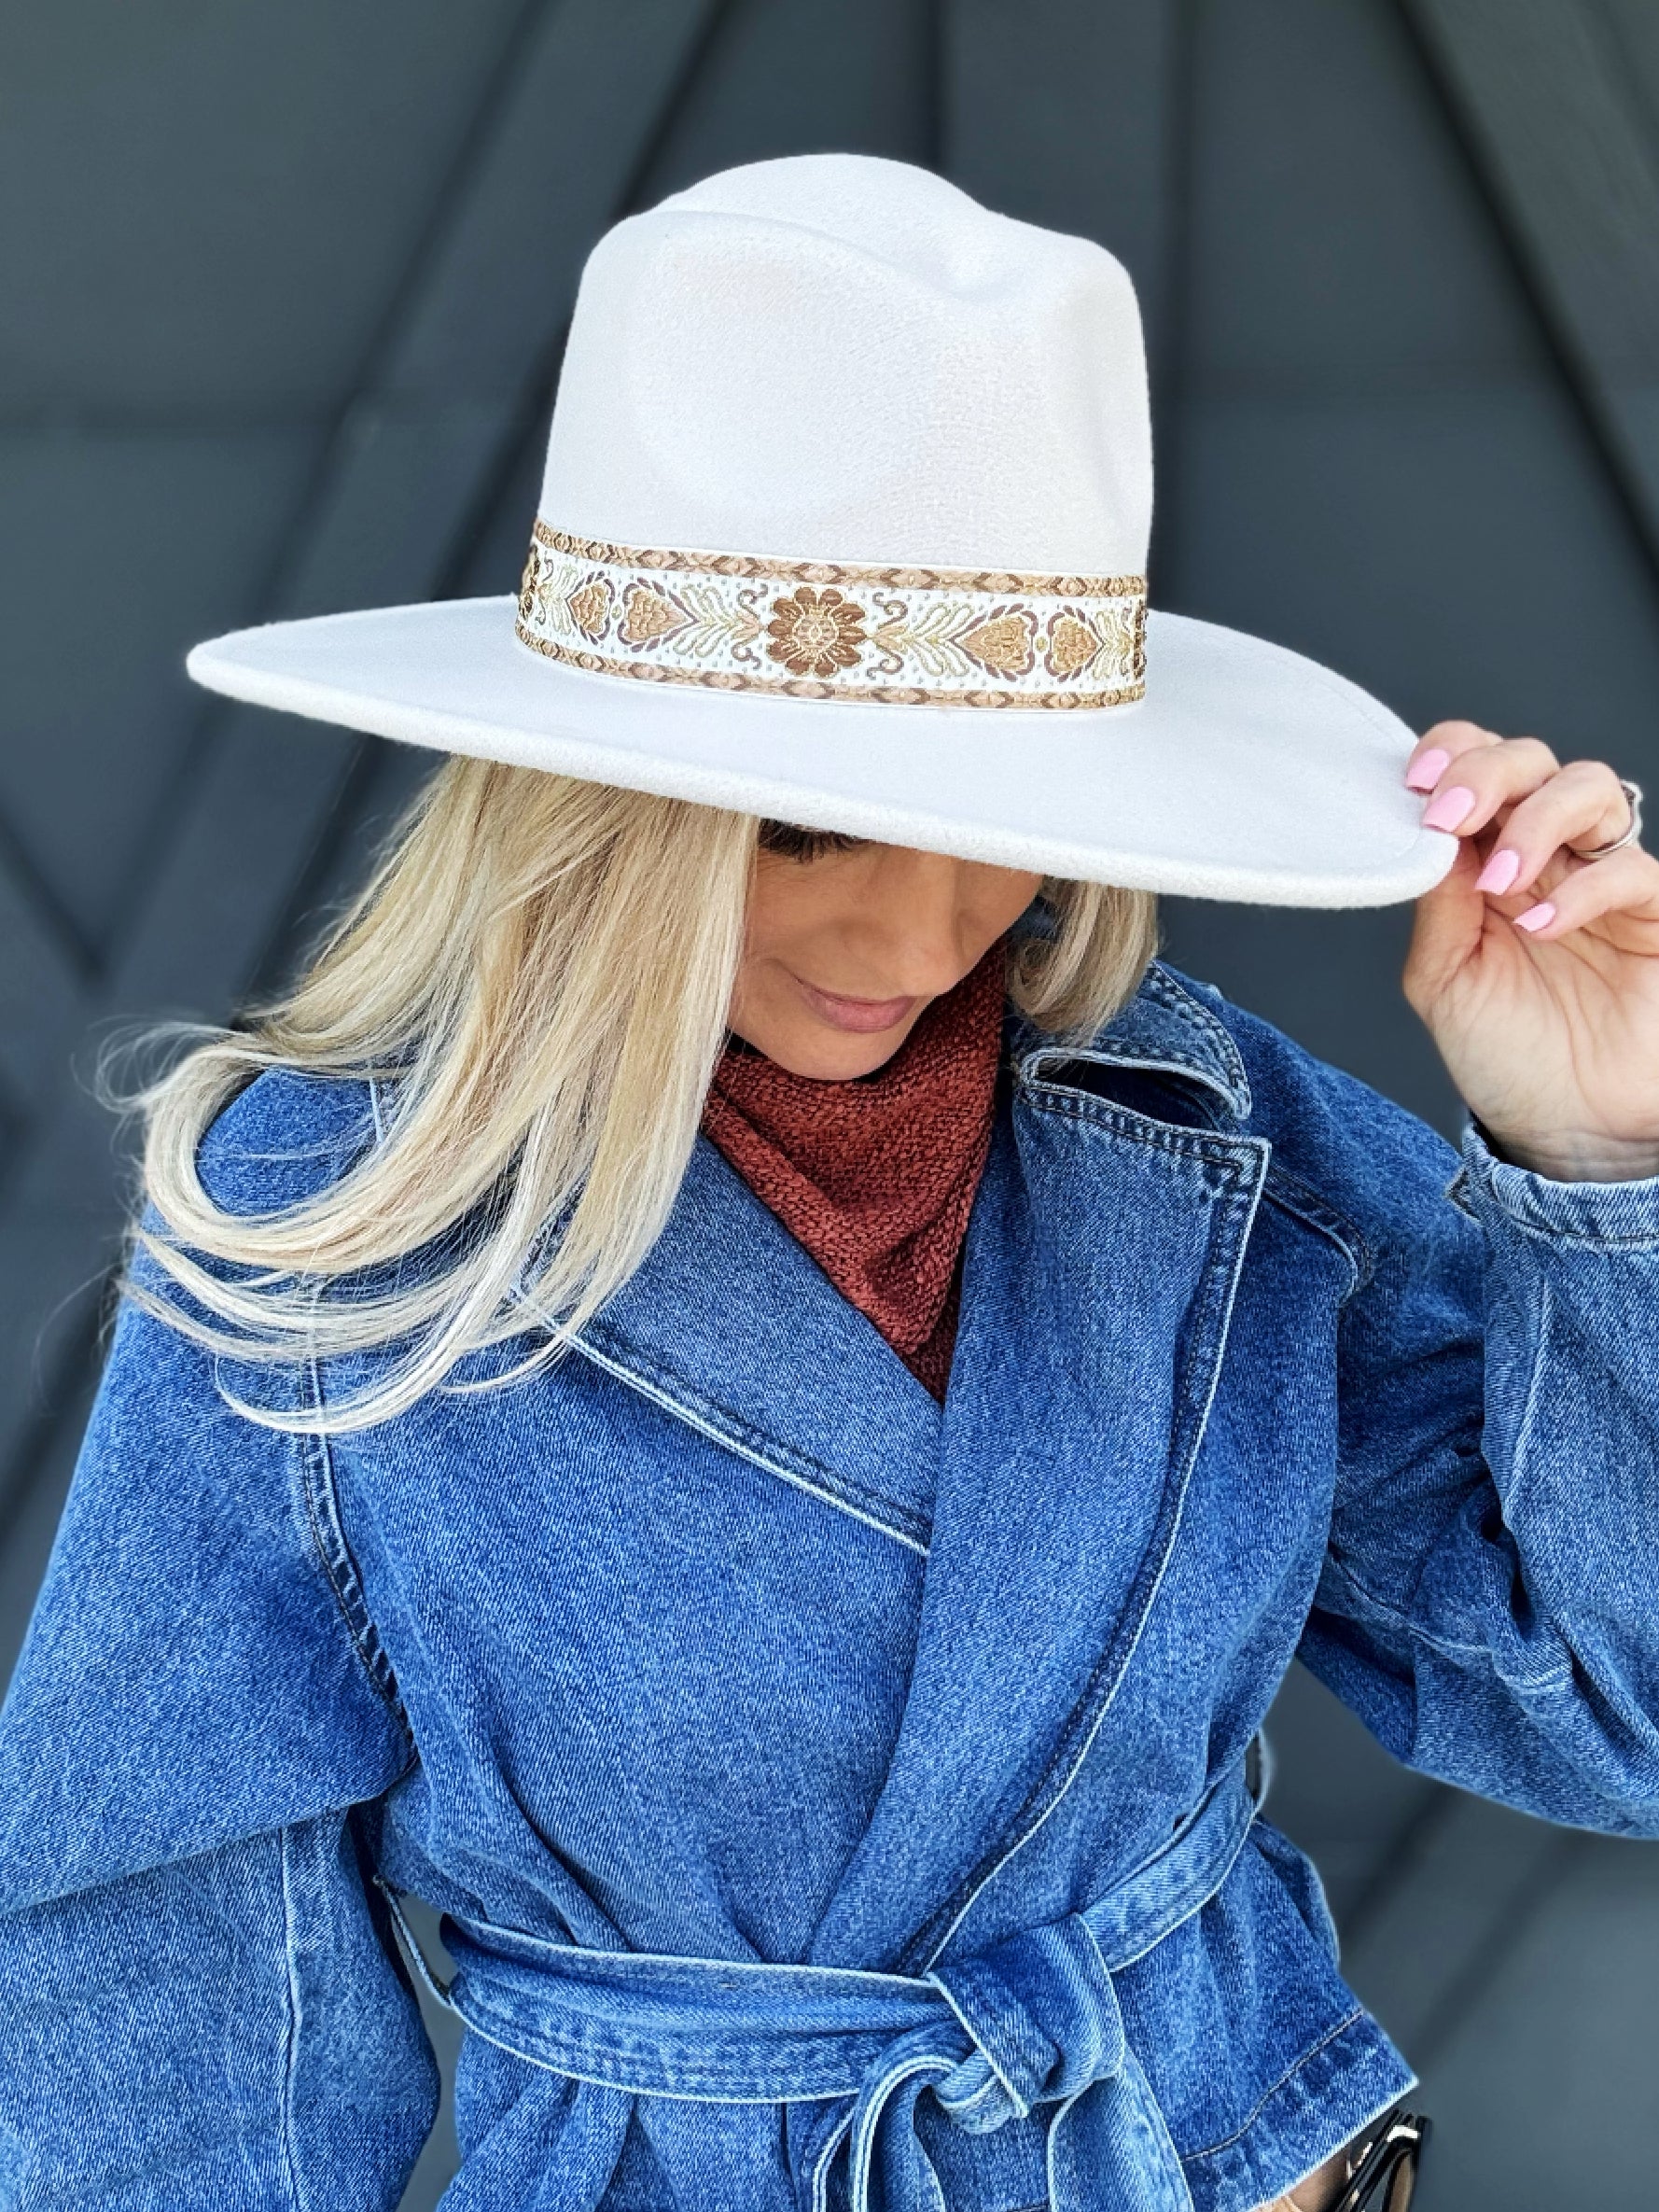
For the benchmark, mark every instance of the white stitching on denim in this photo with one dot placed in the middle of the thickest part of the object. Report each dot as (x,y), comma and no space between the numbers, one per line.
(1487,1177)
(716,1436)
(1307,1203)
(820,2172)
(564,2071)
(1198,1018)
(1518,1470)
(292,2019)
(1290,2074)
(1263,1151)
(1285,1188)
(1449,1646)
(386,1688)
(1175,998)
(864,2143)
(748,1435)
(1555,1233)
(1178,1139)
(997,2076)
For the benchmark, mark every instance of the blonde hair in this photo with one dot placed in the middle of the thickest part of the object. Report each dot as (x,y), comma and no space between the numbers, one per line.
(537,972)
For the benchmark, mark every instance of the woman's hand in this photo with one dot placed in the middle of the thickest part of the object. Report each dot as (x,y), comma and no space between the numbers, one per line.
(1537,971)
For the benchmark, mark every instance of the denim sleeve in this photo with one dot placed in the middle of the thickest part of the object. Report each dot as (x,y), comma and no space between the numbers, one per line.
(197,2007)
(1490,1601)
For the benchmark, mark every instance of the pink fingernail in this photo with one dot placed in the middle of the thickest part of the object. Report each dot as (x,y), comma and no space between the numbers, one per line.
(1449,809)
(1537,917)
(1498,872)
(1424,773)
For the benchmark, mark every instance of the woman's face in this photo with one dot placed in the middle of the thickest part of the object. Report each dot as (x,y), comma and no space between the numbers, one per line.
(848,941)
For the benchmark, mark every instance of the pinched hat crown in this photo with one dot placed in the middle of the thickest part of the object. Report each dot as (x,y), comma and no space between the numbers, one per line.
(845,360)
(829,425)
(838,458)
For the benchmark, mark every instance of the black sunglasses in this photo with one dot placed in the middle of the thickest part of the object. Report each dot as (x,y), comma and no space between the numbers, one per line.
(1386,2178)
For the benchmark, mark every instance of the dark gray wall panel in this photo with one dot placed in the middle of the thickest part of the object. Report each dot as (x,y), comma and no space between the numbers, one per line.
(1069,116)
(1553,2079)
(1334,245)
(1556,96)
(204,208)
(41,975)
(789,77)
(1630,30)
(120,551)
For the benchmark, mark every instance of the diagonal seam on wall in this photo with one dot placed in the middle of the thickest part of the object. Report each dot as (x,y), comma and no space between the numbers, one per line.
(1568,165)
(489,302)
(68,978)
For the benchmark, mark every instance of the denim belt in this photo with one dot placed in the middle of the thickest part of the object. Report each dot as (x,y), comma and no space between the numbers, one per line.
(1033,2019)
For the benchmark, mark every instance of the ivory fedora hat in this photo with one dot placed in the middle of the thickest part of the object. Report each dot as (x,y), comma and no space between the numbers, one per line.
(844,521)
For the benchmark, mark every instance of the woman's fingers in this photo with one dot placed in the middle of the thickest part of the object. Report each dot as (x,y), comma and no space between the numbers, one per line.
(1625,882)
(1478,782)
(1584,804)
(1473,778)
(1437,748)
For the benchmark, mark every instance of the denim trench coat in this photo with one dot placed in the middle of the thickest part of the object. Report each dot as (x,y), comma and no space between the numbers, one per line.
(836,1800)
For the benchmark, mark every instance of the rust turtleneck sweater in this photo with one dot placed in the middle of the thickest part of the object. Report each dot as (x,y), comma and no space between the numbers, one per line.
(876,1177)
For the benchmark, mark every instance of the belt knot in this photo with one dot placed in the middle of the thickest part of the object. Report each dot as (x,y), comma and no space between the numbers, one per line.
(1031,2020)
(1042,2015)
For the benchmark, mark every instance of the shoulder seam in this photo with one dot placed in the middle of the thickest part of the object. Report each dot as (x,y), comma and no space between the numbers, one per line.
(328,1528)
(1312,1206)
(338,1565)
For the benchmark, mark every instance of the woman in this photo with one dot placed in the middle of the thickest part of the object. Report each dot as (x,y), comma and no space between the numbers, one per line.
(775,1488)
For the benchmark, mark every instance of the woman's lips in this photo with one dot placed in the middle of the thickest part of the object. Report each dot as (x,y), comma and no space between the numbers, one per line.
(864,1017)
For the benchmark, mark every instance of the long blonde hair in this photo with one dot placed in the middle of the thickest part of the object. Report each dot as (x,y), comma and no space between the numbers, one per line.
(536,977)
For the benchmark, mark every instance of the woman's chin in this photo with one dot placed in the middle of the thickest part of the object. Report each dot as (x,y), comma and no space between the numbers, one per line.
(820,1053)
(844,1062)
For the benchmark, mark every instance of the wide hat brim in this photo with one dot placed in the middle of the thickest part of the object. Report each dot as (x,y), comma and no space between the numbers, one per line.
(1246,773)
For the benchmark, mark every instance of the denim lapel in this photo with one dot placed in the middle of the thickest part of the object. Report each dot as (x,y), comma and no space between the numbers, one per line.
(1165,1028)
(1101,1268)
(731,1326)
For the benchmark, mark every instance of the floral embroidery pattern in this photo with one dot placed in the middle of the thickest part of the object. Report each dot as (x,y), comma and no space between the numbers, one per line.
(530,588)
(816,633)
(589,606)
(649,616)
(1002,641)
(1073,643)
(900,635)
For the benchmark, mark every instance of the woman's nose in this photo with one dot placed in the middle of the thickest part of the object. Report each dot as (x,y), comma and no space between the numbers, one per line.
(916,907)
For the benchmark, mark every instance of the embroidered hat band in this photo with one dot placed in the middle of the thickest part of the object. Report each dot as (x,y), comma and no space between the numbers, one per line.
(823,630)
